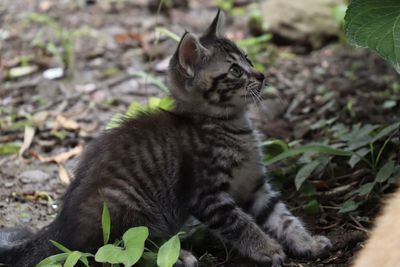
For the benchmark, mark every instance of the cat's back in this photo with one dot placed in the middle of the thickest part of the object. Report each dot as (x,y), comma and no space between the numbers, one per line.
(382,248)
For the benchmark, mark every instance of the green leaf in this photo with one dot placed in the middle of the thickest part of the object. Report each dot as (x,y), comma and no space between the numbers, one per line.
(308,189)
(349,205)
(72,259)
(115,121)
(357,156)
(305,172)
(365,189)
(53,259)
(375,24)
(133,249)
(168,33)
(312,207)
(386,131)
(338,12)
(60,247)
(151,79)
(309,148)
(168,253)
(106,223)
(385,172)
(9,148)
(274,147)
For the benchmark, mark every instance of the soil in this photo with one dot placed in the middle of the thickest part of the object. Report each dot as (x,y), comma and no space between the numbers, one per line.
(115,38)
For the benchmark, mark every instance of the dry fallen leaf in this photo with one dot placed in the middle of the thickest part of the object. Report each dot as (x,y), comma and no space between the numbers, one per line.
(63,174)
(65,123)
(62,157)
(28,138)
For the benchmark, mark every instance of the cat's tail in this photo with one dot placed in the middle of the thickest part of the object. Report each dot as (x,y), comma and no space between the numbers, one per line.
(19,247)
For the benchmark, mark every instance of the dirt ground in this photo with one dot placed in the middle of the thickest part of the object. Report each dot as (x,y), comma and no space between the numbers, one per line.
(113,40)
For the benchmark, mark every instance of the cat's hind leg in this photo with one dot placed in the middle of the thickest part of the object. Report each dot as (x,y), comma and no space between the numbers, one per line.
(274,218)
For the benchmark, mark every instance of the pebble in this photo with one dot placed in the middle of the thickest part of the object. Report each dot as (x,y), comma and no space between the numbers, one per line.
(33,177)
(8,185)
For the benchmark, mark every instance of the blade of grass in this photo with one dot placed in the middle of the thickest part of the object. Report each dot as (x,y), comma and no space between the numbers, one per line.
(310,148)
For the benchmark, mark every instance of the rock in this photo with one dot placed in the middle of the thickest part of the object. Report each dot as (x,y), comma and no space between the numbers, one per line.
(309,22)
(53,73)
(33,177)
(8,185)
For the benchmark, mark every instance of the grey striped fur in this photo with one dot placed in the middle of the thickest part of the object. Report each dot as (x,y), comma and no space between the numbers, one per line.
(202,159)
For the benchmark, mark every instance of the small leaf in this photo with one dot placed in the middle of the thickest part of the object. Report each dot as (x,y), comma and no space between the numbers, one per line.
(151,79)
(349,205)
(357,156)
(60,247)
(274,147)
(312,207)
(338,12)
(9,148)
(385,172)
(386,131)
(106,223)
(53,259)
(168,253)
(305,172)
(115,121)
(309,148)
(17,72)
(308,189)
(72,259)
(168,33)
(365,189)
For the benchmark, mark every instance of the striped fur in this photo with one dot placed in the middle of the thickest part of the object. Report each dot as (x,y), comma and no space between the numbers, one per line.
(202,159)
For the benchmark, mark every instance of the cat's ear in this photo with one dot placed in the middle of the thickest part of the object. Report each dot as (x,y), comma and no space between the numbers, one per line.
(190,52)
(216,29)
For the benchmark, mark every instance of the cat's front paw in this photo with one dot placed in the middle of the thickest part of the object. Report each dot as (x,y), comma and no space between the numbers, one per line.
(271,254)
(317,247)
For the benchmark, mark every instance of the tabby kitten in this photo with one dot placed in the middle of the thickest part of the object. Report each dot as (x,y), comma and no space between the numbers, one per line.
(202,159)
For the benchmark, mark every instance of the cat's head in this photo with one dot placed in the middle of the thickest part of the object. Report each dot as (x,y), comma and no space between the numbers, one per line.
(210,74)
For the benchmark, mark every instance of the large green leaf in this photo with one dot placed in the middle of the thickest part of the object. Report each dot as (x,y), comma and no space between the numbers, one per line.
(375,24)
(169,252)
(133,249)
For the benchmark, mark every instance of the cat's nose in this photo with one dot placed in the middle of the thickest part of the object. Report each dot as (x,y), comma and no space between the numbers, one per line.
(259,76)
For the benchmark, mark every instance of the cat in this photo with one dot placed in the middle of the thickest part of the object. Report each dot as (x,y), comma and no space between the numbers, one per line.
(382,249)
(203,159)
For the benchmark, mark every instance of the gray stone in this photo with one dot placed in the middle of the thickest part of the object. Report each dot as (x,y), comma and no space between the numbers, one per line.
(33,177)
(306,21)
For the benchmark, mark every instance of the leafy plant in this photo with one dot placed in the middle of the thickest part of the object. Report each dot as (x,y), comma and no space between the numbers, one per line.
(375,24)
(154,104)
(127,252)
(362,144)
(66,39)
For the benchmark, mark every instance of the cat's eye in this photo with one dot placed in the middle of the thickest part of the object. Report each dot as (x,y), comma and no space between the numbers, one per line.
(236,71)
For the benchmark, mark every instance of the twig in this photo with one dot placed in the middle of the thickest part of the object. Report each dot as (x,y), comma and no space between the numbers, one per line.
(359,225)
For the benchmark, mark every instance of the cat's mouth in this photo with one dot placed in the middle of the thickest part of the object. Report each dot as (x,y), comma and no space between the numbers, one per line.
(254,88)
